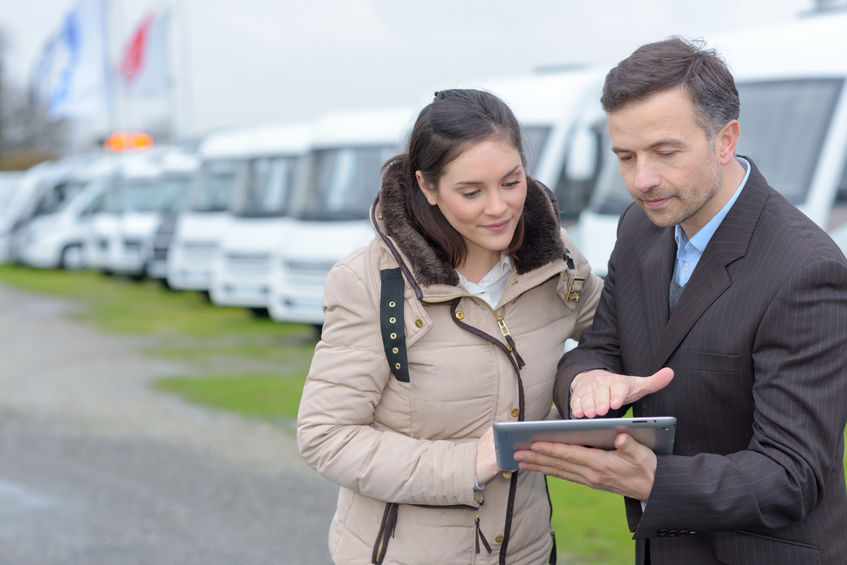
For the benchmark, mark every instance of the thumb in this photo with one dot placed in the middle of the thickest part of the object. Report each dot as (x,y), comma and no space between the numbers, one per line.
(655,382)
(625,444)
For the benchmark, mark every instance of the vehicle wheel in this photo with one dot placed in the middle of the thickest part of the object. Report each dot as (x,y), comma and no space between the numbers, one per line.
(259,313)
(71,258)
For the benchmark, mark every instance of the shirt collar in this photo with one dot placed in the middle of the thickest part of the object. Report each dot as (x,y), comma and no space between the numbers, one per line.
(497,272)
(704,235)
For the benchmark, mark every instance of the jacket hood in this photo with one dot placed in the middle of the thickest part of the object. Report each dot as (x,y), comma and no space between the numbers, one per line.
(542,241)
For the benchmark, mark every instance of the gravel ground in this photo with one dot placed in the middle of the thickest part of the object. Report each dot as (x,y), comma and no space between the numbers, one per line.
(95,467)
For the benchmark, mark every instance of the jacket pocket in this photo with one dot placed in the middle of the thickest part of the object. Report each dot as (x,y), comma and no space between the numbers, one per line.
(709,362)
(737,548)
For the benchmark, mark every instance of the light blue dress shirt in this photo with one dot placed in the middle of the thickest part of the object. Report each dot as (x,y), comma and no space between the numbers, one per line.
(689,251)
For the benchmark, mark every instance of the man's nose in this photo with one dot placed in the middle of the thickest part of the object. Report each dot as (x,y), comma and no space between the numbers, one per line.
(645,177)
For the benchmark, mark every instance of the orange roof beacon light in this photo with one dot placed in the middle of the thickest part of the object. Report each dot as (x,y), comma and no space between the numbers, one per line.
(128,141)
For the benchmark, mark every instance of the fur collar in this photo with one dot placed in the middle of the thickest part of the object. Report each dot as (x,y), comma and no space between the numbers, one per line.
(542,241)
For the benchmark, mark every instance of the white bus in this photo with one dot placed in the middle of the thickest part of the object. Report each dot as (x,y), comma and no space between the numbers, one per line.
(791,81)
(258,221)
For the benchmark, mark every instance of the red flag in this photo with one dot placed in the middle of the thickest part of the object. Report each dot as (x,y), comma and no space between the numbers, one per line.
(132,62)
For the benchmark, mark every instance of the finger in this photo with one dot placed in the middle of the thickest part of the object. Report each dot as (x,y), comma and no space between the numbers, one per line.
(618,393)
(601,401)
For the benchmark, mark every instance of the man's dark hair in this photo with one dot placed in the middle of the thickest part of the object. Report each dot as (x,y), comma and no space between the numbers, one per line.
(676,62)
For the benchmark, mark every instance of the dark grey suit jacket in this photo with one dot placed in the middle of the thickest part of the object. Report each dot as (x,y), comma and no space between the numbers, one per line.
(758,345)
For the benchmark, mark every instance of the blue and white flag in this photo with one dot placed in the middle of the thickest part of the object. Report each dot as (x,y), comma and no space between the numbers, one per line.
(78,64)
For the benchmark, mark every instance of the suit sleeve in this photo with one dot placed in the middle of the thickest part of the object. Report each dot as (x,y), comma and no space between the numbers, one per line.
(598,346)
(336,430)
(800,408)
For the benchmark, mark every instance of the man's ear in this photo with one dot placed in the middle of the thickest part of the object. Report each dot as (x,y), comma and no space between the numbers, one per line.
(726,140)
(428,193)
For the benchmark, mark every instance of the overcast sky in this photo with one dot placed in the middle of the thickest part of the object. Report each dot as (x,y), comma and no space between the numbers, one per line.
(244,62)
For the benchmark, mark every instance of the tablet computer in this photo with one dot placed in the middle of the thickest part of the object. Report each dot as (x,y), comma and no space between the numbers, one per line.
(657,433)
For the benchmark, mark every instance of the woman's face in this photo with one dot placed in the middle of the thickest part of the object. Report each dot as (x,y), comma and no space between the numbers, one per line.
(482,194)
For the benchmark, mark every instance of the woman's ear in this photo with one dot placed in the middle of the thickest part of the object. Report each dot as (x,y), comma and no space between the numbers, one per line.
(428,193)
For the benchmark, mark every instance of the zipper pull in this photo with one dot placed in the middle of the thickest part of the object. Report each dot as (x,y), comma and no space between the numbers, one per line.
(479,536)
(511,342)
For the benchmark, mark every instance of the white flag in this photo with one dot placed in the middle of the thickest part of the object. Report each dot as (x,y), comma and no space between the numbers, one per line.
(80,88)
(144,64)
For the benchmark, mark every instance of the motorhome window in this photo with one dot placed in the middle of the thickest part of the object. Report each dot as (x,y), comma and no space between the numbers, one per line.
(140,194)
(57,196)
(61,196)
(175,190)
(341,183)
(266,192)
(216,185)
(155,194)
(573,192)
(534,140)
(783,125)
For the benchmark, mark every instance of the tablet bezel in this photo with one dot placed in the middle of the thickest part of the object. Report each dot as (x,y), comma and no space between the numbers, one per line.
(656,432)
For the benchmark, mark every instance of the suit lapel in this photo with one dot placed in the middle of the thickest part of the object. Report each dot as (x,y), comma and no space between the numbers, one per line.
(656,272)
(710,279)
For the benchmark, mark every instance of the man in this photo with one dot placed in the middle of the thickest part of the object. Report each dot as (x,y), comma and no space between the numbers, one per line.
(735,305)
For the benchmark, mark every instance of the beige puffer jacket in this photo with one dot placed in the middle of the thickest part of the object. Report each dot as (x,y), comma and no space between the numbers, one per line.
(404,452)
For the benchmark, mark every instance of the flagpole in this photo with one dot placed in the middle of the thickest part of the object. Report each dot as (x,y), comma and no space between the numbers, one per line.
(184,59)
(111,102)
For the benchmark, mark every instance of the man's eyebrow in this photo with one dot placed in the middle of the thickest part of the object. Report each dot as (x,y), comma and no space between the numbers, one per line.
(659,143)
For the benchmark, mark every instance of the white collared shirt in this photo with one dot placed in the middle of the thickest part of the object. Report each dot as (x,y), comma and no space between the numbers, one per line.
(491,287)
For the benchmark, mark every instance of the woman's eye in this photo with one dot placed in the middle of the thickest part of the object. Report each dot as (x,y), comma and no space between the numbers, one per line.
(511,184)
(470,193)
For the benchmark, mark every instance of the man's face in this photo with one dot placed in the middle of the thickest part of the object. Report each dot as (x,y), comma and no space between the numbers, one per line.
(667,160)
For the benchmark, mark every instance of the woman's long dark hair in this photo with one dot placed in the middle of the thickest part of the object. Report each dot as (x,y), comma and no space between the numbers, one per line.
(454,120)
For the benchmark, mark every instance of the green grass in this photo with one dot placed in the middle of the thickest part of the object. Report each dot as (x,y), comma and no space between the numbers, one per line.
(267,396)
(228,344)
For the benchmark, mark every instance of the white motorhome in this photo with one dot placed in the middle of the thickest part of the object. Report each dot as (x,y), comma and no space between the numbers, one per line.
(197,235)
(241,270)
(41,190)
(57,239)
(791,82)
(331,204)
(148,189)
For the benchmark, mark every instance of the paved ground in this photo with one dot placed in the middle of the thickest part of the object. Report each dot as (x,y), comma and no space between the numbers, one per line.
(95,468)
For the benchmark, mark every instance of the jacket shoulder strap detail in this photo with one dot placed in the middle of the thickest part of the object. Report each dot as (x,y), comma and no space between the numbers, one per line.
(391,322)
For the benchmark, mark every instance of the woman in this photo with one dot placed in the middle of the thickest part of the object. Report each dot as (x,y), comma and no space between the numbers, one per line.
(486,279)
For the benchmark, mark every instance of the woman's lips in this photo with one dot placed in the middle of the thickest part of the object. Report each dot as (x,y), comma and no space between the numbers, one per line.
(498,227)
